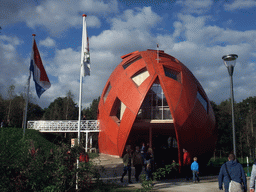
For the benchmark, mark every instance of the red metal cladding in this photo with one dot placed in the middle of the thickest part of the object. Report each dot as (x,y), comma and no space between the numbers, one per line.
(193,121)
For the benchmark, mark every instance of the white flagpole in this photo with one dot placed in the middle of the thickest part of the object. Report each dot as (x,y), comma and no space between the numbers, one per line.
(84,53)
(28,86)
(82,73)
(79,121)
(80,105)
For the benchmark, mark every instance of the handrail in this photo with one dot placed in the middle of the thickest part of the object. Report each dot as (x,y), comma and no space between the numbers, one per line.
(64,125)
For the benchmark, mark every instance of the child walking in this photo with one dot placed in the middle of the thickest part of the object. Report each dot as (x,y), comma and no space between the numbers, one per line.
(195,170)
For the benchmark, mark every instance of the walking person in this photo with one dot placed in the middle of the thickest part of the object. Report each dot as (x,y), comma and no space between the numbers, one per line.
(143,151)
(127,160)
(195,170)
(253,177)
(233,176)
(137,162)
(149,164)
(186,164)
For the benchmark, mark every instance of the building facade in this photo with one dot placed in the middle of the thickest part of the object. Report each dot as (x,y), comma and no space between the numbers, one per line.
(153,98)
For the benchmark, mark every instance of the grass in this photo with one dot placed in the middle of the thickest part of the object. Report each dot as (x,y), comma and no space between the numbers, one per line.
(12,143)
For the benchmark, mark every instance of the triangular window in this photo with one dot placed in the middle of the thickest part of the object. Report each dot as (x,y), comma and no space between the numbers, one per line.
(154,106)
(139,77)
(117,110)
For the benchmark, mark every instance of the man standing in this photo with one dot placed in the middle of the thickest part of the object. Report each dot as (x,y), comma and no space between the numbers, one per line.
(186,163)
(137,162)
(232,174)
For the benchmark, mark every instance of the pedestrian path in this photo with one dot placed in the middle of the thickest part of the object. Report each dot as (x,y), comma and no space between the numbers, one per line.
(206,184)
(112,169)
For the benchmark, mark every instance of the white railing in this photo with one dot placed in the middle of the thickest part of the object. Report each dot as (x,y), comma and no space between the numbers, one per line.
(64,126)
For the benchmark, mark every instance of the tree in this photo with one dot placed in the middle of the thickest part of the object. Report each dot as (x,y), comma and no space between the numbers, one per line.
(10,95)
(247,119)
(2,108)
(70,110)
(35,112)
(223,121)
(62,108)
(17,109)
(92,111)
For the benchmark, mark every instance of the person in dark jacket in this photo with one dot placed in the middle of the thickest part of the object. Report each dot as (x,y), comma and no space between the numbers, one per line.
(149,164)
(232,170)
(137,162)
(127,160)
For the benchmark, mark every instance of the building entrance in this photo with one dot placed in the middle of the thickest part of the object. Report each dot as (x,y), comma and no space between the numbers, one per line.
(161,138)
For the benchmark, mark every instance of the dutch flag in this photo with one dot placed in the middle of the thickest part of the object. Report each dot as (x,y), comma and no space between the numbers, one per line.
(40,77)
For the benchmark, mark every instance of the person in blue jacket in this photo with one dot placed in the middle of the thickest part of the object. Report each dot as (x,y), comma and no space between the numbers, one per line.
(195,170)
(232,170)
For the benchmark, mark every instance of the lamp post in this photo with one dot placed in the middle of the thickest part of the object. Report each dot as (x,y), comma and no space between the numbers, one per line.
(230,62)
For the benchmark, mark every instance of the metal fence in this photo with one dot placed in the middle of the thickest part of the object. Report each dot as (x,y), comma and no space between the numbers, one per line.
(64,126)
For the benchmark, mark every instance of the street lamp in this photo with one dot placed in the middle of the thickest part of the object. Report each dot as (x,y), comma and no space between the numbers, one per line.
(230,62)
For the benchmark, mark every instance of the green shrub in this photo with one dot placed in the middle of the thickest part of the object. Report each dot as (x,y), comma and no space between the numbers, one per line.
(167,171)
(34,164)
(147,185)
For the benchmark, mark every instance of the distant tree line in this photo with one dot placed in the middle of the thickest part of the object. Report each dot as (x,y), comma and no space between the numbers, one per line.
(64,108)
(245,126)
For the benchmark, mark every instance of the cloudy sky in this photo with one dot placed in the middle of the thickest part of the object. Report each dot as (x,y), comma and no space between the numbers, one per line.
(198,33)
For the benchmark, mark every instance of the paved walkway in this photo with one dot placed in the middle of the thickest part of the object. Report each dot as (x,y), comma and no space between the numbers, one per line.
(112,169)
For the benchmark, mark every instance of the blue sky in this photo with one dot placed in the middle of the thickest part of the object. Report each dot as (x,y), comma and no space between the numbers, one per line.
(198,33)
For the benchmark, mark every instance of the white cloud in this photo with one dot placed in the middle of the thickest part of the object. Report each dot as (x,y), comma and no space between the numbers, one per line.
(65,68)
(129,32)
(195,6)
(57,16)
(48,42)
(143,19)
(12,64)
(240,4)
(13,40)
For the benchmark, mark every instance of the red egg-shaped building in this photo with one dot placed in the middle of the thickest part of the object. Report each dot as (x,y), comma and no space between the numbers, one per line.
(153,98)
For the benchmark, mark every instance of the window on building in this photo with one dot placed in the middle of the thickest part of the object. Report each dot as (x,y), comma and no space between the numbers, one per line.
(202,100)
(133,60)
(139,77)
(154,106)
(107,92)
(172,74)
(117,110)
